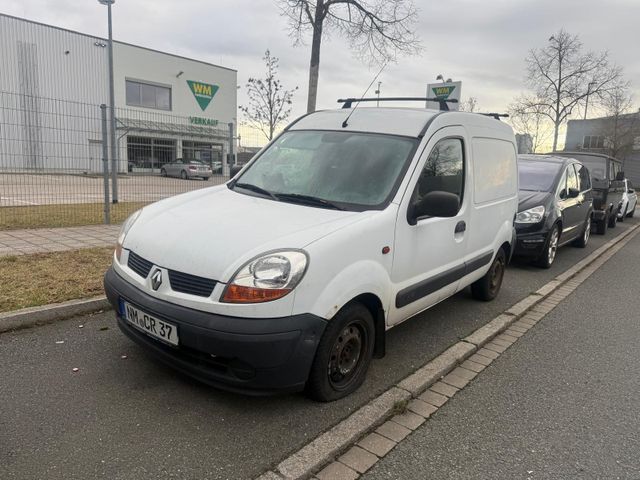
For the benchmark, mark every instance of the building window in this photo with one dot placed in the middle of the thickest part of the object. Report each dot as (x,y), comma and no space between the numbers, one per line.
(141,94)
(593,141)
(150,153)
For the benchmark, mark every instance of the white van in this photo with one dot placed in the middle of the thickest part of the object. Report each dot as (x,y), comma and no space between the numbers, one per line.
(287,277)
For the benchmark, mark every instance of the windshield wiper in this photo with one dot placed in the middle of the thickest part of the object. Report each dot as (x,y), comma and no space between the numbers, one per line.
(308,199)
(255,188)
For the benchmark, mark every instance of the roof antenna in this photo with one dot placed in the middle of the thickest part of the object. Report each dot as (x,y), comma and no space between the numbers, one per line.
(346,120)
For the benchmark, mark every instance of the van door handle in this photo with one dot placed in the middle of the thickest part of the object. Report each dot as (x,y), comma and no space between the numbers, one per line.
(461,226)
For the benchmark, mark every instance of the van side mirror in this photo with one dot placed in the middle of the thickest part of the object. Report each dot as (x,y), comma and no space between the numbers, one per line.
(631,190)
(234,169)
(574,192)
(435,204)
(620,176)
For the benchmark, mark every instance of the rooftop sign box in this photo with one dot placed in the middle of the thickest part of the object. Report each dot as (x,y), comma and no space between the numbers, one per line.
(444,91)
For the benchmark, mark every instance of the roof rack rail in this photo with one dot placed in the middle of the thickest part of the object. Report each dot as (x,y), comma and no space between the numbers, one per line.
(347,102)
(497,116)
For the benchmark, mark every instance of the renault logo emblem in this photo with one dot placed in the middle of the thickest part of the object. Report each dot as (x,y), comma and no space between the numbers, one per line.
(156,279)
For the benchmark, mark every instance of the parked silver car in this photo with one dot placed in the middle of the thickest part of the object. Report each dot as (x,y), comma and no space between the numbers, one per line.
(186,169)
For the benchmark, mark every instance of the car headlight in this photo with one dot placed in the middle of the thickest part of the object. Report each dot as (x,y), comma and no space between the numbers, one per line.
(532,215)
(267,277)
(126,226)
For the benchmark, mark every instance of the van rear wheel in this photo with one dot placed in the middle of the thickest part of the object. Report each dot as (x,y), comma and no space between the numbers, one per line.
(487,287)
(613,219)
(344,354)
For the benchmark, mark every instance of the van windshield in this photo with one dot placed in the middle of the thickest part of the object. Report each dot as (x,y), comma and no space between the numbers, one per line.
(344,170)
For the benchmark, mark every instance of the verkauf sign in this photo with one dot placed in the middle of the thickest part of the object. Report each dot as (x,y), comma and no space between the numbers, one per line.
(203,92)
(444,91)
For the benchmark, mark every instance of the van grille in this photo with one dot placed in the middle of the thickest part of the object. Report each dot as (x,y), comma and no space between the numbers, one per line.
(139,264)
(185,283)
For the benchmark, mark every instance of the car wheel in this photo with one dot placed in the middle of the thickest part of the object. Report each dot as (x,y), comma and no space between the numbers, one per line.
(631,212)
(621,218)
(487,287)
(612,220)
(205,178)
(344,354)
(601,226)
(183,175)
(550,249)
(163,172)
(586,233)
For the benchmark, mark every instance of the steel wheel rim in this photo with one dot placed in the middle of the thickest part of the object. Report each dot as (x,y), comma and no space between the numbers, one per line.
(346,355)
(553,246)
(497,272)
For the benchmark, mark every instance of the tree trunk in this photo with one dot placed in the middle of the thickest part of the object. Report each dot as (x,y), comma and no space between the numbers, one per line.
(556,127)
(314,64)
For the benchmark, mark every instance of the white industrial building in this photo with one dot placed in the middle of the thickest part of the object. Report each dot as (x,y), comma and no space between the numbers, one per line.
(53,80)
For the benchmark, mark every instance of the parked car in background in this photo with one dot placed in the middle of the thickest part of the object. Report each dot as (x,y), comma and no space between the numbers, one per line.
(347,224)
(629,201)
(216,167)
(607,180)
(186,169)
(555,206)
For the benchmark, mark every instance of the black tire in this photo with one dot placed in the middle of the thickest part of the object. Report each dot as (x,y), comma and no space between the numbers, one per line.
(581,242)
(345,347)
(612,220)
(183,175)
(545,260)
(601,226)
(205,178)
(487,288)
(163,172)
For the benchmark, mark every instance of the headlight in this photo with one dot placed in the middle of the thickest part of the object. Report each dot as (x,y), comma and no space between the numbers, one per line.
(268,277)
(532,215)
(126,226)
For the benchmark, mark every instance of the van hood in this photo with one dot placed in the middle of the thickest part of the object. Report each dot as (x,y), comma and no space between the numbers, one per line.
(211,232)
(528,199)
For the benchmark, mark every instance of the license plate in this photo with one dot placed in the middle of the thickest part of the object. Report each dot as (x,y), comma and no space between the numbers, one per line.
(165,331)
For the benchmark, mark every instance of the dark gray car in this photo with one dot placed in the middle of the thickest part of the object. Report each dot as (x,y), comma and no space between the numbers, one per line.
(186,169)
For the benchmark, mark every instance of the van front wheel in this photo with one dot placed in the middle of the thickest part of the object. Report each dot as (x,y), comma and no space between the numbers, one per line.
(487,287)
(344,354)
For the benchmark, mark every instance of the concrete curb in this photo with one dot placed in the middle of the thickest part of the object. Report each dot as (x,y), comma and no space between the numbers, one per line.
(29,317)
(327,446)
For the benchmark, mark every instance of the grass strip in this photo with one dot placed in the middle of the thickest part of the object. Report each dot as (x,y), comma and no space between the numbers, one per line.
(63,215)
(44,278)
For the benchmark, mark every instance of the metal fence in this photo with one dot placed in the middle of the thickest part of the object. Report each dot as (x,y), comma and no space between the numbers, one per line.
(53,170)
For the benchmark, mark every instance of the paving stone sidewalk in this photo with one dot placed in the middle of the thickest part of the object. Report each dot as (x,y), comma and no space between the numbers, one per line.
(43,240)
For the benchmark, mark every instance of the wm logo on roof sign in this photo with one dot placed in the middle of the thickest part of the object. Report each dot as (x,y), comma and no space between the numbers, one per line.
(203,92)
(443,92)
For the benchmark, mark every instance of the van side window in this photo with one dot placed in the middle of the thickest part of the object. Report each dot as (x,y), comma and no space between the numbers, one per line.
(562,185)
(443,170)
(583,177)
(572,178)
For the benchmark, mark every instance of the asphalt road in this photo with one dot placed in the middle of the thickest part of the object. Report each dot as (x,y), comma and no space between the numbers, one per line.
(561,403)
(133,419)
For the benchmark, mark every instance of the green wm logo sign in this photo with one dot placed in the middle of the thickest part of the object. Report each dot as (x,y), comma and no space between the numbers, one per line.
(443,92)
(203,92)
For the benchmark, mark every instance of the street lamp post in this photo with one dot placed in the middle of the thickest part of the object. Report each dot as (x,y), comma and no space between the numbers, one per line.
(378,93)
(112,108)
(586,103)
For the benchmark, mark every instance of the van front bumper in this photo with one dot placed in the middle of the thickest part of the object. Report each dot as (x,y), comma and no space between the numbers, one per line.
(257,356)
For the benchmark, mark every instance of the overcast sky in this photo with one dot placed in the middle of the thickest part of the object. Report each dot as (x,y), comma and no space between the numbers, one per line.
(480,42)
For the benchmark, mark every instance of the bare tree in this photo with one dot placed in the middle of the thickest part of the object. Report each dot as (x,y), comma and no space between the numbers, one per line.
(620,129)
(269,103)
(561,77)
(532,122)
(377,30)
(469,105)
